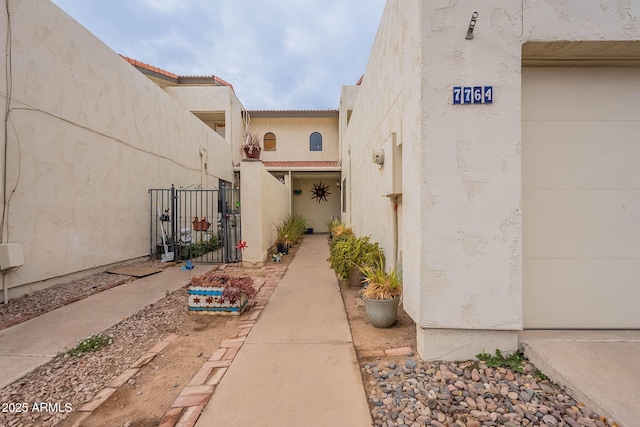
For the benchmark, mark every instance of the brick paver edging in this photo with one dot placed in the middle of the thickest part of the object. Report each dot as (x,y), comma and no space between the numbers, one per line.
(190,402)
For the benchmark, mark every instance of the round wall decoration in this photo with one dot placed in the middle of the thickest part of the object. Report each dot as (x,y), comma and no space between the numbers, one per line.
(320,192)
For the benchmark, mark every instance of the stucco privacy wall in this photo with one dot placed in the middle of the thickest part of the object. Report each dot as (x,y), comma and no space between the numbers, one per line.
(264,201)
(88,135)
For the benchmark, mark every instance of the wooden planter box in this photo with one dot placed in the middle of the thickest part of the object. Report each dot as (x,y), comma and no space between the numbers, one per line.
(205,300)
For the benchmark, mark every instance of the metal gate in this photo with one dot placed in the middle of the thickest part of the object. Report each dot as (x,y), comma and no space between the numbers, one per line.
(196,225)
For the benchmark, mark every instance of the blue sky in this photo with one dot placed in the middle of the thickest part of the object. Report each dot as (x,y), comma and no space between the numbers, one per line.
(278,54)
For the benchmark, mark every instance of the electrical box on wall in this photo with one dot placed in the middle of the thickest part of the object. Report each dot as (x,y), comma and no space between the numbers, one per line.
(392,169)
(11,256)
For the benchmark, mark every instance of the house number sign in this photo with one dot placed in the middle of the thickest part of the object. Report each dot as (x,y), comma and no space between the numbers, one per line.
(473,94)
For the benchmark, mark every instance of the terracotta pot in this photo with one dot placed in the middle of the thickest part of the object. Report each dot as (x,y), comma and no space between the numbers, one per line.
(252,154)
(356,280)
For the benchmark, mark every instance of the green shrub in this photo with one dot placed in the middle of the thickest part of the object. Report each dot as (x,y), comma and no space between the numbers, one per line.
(351,251)
(194,250)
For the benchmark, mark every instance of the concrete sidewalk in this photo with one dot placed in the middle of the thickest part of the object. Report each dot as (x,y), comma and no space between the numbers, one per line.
(598,368)
(298,365)
(35,342)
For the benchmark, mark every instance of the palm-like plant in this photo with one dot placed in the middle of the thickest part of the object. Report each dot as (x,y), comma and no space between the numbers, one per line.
(381,285)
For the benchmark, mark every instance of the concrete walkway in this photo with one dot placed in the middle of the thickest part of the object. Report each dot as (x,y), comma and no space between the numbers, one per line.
(598,368)
(298,365)
(35,342)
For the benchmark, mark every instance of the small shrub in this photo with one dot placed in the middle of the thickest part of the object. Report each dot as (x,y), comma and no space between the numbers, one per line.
(350,252)
(233,287)
(514,361)
(93,343)
(194,250)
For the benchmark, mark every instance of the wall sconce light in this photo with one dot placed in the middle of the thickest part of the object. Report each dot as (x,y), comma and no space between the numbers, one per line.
(378,157)
(472,25)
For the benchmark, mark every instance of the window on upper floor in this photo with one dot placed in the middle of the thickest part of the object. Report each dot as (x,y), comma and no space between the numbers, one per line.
(315,142)
(269,141)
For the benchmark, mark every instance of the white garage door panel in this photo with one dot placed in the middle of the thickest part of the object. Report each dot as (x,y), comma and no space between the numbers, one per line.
(581,197)
(595,294)
(581,155)
(582,94)
(581,224)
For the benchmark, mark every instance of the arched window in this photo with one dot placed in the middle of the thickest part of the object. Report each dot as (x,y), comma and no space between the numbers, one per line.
(315,142)
(269,141)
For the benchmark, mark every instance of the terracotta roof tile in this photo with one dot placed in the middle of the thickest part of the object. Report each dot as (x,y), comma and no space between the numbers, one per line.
(176,77)
(302,164)
(142,65)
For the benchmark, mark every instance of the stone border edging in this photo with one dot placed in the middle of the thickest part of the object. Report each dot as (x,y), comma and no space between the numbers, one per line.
(187,407)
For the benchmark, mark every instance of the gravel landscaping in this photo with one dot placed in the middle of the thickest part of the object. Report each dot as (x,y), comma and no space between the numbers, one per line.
(402,391)
(412,393)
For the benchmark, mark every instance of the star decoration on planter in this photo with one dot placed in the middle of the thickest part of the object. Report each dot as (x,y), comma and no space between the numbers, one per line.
(209,300)
(196,300)
(320,192)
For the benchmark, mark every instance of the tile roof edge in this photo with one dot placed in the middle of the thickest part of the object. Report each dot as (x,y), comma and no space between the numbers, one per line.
(160,71)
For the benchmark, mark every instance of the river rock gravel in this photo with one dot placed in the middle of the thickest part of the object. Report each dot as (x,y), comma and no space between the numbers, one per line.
(402,391)
(67,382)
(409,392)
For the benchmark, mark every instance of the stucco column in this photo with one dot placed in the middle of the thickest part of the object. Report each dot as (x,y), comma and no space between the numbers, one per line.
(470,185)
(251,202)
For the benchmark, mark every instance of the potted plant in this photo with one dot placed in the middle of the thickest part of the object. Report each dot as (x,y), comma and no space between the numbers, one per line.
(215,293)
(289,231)
(282,243)
(252,145)
(381,294)
(351,252)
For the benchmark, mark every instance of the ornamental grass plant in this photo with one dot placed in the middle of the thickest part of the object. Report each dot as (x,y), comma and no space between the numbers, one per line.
(352,252)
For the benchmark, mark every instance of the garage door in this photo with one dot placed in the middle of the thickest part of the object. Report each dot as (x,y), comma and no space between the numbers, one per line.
(581,197)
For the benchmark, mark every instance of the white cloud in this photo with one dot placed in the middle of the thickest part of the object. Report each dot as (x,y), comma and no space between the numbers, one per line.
(278,54)
(164,5)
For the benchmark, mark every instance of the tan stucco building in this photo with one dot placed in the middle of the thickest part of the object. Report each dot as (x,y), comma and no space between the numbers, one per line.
(508,195)
(515,211)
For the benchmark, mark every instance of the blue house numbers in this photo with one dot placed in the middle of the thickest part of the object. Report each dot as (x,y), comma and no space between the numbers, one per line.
(473,94)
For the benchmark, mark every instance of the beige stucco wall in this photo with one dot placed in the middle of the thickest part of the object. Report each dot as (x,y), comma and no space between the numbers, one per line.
(460,224)
(459,216)
(549,20)
(292,137)
(207,99)
(388,102)
(88,135)
(317,213)
(265,202)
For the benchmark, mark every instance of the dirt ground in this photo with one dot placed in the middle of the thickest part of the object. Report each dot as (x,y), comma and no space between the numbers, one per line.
(367,338)
(148,396)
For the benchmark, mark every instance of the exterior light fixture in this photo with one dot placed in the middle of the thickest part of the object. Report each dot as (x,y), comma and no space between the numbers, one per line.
(472,25)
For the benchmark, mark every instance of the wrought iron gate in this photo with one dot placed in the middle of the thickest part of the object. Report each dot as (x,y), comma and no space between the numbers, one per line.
(197,225)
